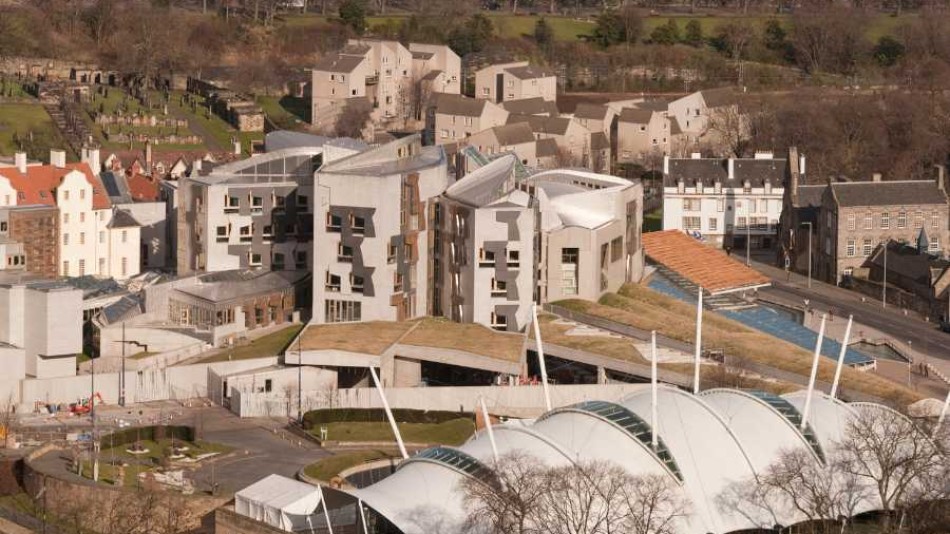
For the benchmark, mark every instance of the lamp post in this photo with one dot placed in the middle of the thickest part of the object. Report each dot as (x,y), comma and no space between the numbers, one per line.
(810,228)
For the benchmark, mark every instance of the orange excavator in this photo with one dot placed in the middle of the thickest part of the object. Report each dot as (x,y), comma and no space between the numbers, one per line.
(84,406)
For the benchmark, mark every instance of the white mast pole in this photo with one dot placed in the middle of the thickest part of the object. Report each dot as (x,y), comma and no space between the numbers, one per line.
(699,341)
(544,368)
(326,513)
(491,433)
(943,414)
(653,416)
(844,349)
(814,372)
(359,503)
(389,414)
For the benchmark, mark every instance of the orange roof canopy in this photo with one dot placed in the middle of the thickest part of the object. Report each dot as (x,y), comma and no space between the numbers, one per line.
(707,267)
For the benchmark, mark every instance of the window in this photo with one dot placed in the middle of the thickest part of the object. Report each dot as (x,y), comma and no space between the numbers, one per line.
(935,244)
(569,255)
(444,134)
(499,322)
(885,221)
(278,261)
(102,266)
(499,288)
(279,201)
(514,258)
(397,282)
(692,204)
(267,232)
(344,253)
(247,233)
(333,283)
(695,223)
(752,206)
(358,224)
(868,221)
(257,204)
(918,220)
(486,91)
(254,258)
(82,238)
(82,217)
(102,236)
(356,283)
(342,311)
(851,248)
(65,218)
(747,187)
(66,194)
(82,194)
(125,236)
(231,204)
(851,219)
(268,385)
(720,205)
(3,226)
(935,220)
(301,259)
(391,254)
(334,222)
(66,268)
(486,258)
(82,267)
(713,224)
(616,249)
(65,240)
(741,223)
(866,249)
(902,219)
(125,265)
(302,202)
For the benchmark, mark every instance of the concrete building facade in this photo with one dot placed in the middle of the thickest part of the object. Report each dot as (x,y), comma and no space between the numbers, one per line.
(515,81)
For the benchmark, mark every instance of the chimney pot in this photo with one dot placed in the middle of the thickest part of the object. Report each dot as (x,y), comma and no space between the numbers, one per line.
(57,158)
(666,164)
(20,160)
(942,177)
(732,168)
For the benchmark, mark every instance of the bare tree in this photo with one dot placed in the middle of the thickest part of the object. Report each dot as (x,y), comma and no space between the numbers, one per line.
(730,127)
(353,118)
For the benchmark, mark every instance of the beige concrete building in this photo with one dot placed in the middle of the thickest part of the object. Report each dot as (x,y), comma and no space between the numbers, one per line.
(642,132)
(531,106)
(573,140)
(515,81)
(856,217)
(439,64)
(516,138)
(699,117)
(453,118)
(595,117)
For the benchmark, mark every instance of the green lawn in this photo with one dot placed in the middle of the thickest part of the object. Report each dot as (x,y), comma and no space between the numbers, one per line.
(142,355)
(331,466)
(454,432)
(22,119)
(653,221)
(270,345)
(286,112)
(157,449)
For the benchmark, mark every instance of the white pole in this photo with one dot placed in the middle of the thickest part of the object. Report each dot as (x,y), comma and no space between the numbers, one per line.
(544,367)
(884,287)
(814,372)
(491,433)
(653,416)
(326,513)
(699,341)
(389,414)
(359,503)
(844,349)
(943,414)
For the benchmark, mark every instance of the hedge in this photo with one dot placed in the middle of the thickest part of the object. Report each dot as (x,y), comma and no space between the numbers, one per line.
(377,415)
(152,433)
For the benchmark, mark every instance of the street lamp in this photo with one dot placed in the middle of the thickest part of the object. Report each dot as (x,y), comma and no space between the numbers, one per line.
(810,228)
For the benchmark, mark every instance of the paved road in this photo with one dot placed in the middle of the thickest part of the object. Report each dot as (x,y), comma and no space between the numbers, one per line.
(925,337)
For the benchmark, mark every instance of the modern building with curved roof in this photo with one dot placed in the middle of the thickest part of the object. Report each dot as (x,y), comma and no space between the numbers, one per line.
(704,444)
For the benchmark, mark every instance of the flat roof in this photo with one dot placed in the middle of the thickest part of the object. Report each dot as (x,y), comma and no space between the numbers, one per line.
(707,267)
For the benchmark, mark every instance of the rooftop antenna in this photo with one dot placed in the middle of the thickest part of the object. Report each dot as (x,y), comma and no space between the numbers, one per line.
(389,415)
(844,349)
(943,414)
(544,368)
(814,372)
(699,341)
(653,417)
(491,433)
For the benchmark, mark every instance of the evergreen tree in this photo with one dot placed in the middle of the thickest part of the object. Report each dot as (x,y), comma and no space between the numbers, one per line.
(353,14)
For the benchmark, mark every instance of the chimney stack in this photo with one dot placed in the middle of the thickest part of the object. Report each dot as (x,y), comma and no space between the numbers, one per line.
(666,164)
(941,177)
(91,157)
(876,177)
(20,160)
(148,156)
(57,158)
(732,168)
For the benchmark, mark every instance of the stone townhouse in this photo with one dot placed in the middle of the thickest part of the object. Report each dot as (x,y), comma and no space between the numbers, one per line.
(454,118)
(730,202)
(515,81)
(94,238)
(857,217)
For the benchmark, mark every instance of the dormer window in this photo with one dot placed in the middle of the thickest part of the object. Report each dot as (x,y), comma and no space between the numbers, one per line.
(681,186)
(747,187)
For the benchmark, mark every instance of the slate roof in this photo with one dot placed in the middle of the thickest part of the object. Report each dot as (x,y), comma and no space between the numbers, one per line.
(531,106)
(905,260)
(513,134)
(599,141)
(720,97)
(546,148)
(636,115)
(712,170)
(123,219)
(541,124)
(893,193)
(809,196)
(590,111)
(529,72)
(451,104)
(418,54)
(338,63)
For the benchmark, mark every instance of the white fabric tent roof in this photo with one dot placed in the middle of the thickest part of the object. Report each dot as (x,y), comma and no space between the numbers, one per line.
(279,502)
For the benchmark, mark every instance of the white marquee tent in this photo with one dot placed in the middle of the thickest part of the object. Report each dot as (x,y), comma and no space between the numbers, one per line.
(280,502)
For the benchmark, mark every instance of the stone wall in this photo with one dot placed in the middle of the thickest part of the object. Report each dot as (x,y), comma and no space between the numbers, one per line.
(227,521)
(38,230)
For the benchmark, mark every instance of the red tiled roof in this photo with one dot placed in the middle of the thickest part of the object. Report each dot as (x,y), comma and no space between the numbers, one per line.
(707,267)
(143,188)
(39,184)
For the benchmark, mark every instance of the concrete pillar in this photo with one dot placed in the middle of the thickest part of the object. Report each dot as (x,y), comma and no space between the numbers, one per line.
(601,376)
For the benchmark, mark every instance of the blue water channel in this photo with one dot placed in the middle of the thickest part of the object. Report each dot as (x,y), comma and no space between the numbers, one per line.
(776,322)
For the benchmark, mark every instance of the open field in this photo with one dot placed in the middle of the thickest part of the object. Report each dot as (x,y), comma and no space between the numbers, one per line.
(453,432)
(641,307)
(22,119)
(270,345)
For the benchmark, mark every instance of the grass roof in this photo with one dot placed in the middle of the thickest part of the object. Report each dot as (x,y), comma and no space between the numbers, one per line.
(372,337)
(473,338)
